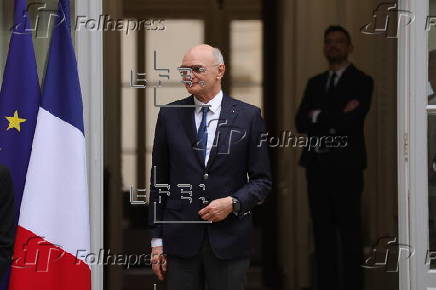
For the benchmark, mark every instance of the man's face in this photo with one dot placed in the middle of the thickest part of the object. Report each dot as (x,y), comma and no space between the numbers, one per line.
(206,74)
(337,47)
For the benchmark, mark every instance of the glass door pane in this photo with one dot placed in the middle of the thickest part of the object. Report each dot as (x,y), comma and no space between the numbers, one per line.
(128,112)
(246,61)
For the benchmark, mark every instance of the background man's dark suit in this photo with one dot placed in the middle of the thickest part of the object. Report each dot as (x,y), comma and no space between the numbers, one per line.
(226,174)
(7,219)
(335,174)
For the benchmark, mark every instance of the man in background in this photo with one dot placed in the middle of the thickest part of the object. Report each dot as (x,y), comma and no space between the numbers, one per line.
(209,172)
(7,220)
(333,112)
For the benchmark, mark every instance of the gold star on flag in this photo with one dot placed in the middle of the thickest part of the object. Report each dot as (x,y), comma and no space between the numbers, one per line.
(15,122)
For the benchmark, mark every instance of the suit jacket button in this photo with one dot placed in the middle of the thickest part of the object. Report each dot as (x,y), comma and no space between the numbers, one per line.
(205,176)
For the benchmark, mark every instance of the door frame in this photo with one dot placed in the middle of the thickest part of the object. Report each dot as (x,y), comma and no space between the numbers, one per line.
(412,143)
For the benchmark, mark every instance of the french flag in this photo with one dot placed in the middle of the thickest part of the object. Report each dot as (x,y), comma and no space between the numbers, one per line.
(54,224)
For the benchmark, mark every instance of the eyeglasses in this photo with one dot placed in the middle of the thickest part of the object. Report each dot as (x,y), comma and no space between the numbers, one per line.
(197,69)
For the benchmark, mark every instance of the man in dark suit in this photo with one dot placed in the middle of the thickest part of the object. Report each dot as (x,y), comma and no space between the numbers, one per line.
(209,171)
(7,220)
(332,112)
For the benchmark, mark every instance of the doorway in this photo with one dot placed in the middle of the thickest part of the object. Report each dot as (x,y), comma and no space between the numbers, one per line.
(236,28)
(282,41)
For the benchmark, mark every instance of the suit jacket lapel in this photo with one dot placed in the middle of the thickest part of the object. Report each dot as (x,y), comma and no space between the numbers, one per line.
(324,83)
(322,98)
(228,115)
(188,121)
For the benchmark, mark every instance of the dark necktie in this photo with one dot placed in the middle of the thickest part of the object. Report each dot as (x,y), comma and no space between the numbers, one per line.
(331,86)
(202,133)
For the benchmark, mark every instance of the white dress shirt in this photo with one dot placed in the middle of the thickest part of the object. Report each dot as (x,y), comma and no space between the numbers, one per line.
(211,119)
(211,123)
(338,76)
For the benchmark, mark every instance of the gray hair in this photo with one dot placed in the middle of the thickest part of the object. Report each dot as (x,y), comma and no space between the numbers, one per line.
(218,55)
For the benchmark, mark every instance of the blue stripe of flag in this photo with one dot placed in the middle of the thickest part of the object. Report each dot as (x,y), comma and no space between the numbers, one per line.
(61,91)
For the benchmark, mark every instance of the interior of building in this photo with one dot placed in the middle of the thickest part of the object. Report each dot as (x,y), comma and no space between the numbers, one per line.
(271,49)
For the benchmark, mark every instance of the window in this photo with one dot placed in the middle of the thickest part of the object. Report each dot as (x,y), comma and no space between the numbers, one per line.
(246,61)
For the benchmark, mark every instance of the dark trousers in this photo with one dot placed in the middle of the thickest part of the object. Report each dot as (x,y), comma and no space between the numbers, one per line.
(334,200)
(206,269)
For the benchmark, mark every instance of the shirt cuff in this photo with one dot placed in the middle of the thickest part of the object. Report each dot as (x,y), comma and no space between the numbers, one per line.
(315,115)
(156,242)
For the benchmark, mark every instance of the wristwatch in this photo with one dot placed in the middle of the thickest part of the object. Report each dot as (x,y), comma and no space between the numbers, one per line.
(236,205)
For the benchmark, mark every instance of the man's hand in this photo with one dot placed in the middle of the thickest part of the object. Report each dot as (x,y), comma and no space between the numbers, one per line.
(313,115)
(351,105)
(158,262)
(217,210)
